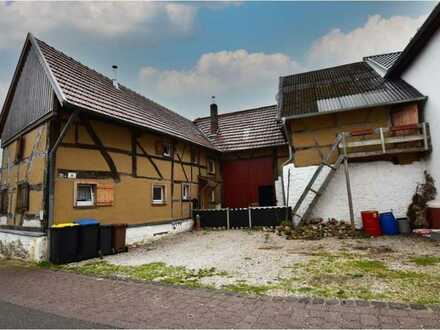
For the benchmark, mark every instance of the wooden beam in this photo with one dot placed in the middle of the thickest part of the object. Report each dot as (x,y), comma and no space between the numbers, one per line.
(95,138)
(145,153)
(183,167)
(51,166)
(133,154)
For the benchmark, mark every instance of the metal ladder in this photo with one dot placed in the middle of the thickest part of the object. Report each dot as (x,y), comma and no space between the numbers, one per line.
(309,188)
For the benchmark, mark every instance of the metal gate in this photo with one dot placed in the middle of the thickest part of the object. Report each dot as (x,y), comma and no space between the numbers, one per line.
(228,218)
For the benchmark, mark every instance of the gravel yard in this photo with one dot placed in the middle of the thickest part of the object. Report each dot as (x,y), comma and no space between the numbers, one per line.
(403,269)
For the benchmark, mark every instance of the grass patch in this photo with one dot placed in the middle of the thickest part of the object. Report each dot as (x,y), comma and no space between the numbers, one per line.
(243,287)
(157,271)
(355,277)
(425,260)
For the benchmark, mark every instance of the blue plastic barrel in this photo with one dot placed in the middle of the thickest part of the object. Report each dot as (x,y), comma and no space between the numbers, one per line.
(388,224)
(86,222)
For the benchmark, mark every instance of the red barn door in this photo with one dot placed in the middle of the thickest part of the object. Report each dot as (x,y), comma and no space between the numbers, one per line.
(243,178)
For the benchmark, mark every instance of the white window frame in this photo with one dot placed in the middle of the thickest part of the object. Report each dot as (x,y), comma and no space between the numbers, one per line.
(167,150)
(186,194)
(157,201)
(211,161)
(88,203)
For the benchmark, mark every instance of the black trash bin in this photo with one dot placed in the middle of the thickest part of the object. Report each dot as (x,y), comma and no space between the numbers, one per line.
(63,243)
(88,246)
(105,240)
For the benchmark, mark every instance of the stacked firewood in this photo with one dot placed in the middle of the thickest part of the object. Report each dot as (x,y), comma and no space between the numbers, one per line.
(318,228)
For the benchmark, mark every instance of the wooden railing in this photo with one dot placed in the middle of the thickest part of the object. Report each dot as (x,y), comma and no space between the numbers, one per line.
(386,140)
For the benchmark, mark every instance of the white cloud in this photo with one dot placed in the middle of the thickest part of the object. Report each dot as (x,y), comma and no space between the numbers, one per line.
(377,35)
(238,79)
(105,19)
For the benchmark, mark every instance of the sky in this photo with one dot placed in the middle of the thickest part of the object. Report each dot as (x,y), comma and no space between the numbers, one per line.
(181,53)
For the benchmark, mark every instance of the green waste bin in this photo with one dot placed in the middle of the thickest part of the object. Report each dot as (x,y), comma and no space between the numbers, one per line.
(63,243)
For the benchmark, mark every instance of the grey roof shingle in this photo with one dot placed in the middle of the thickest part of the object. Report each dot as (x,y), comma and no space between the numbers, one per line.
(90,90)
(246,129)
(346,87)
(385,61)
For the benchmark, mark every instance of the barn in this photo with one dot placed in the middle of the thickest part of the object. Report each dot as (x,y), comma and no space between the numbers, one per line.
(253,148)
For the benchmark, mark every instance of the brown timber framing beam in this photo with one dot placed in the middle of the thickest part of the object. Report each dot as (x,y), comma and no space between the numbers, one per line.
(181,164)
(134,136)
(51,165)
(145,153)
(101,147)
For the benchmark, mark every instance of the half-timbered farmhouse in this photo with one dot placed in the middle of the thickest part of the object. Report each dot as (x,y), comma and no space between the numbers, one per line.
(80,145)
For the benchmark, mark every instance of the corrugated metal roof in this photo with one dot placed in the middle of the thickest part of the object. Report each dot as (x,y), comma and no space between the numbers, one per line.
(340,88)
(88,89)
(385,61)
(246,129)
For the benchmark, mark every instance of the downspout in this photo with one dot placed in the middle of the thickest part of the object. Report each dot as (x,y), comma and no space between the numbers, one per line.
(51,170)
(286,132)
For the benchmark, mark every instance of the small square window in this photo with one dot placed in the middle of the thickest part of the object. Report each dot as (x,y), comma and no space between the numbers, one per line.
(211,166)
(186,191)
(158,194)
(166,150)
(194,157)
(85,194)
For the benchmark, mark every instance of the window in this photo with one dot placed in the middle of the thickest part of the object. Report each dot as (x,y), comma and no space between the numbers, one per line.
(4,201)
(85,194)
(211,166)
(213,196)
(186,191)
(158,194)
(194,154)
(19,149)
(23,197)
(163,149)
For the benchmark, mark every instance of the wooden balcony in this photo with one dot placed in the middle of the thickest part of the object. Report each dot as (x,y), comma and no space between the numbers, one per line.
(414,138)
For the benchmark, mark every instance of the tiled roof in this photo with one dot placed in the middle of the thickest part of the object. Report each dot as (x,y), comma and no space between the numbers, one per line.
(90,90)
(346,87)
(246,129)
(385,61)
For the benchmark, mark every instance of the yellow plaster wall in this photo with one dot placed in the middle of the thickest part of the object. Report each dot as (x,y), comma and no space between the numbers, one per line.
(30,170)
(312,137)
(132,195)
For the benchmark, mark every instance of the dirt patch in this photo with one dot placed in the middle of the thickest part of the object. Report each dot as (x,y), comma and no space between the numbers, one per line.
(384,268)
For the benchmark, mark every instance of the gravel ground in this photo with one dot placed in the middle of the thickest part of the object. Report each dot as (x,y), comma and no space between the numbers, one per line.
(263,257)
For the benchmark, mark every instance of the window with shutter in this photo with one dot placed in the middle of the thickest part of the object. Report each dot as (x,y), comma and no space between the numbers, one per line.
(19,149)
(4,201)
(104,194)
(22,197)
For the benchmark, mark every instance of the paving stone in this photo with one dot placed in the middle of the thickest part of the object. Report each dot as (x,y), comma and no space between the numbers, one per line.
(151,305)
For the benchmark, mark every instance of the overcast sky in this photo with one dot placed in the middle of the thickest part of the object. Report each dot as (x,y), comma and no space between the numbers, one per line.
(180,53)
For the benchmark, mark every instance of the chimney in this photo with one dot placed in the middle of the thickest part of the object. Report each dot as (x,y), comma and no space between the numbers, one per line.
(214,116)
(115,76)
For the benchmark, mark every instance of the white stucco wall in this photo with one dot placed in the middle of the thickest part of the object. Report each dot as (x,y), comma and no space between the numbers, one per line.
(379,185)
(144,234)
(423,74)
(27,246)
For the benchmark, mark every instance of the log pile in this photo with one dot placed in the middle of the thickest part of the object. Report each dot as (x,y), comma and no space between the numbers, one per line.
(315,229)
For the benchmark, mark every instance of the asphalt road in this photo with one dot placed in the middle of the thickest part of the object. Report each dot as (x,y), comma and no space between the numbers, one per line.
(18,317)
